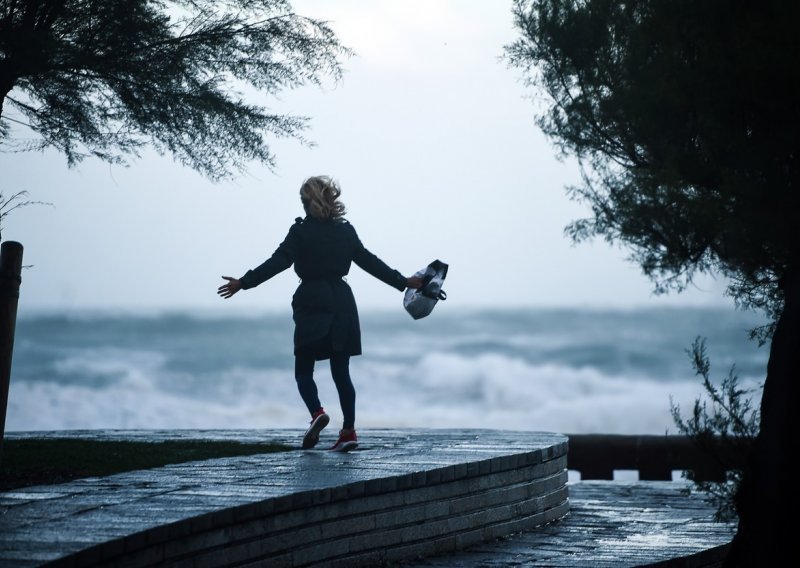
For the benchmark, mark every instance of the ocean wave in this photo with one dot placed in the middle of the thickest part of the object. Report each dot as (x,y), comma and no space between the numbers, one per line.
(437,390)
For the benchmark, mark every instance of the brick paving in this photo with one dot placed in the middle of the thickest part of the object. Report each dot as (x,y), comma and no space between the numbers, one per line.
(611,524)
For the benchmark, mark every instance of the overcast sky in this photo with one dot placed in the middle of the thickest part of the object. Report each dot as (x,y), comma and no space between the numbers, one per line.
(433,141)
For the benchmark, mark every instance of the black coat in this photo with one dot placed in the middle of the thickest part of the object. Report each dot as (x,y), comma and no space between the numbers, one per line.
(323,306)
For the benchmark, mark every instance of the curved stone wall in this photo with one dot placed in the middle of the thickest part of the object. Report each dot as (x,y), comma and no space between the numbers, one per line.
(398,498)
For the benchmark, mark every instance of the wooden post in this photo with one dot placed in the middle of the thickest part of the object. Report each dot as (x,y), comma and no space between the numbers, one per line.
(10,279)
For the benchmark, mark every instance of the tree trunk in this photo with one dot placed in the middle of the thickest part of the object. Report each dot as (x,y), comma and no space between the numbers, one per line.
(767,496)
(6,84)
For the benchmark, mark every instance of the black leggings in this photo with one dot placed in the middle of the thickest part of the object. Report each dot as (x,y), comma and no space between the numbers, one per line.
(340,371)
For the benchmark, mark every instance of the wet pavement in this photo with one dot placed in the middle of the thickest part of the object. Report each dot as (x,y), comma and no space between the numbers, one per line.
(485,498)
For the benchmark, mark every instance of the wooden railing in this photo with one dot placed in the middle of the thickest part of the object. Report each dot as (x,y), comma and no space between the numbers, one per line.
(597,456)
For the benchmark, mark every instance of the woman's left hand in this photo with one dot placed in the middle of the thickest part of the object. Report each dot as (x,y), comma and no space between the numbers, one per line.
(229,289)
(414,282)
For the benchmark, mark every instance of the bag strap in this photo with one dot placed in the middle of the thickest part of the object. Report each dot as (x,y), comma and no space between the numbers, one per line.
(442,295)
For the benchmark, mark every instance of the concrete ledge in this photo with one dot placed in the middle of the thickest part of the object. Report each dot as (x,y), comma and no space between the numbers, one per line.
(402,495)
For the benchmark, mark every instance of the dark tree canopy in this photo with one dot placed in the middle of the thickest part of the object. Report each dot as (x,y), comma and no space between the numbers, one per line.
(686,118)
(99,78)
(685,115)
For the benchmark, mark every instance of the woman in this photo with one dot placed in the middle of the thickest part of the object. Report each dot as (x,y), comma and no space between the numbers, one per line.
(322,246)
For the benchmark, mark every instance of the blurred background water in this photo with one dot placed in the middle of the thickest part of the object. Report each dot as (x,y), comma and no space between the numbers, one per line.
(560,370)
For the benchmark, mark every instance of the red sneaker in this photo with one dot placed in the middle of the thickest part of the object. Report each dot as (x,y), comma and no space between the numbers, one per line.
(347,441)
(318,421)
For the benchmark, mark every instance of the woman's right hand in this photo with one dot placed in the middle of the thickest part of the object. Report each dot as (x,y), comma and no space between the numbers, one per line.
(229,289)
(414,282)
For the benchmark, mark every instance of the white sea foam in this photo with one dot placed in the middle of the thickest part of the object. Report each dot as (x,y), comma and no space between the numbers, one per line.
(437,390)
(446,390)
(109,361)
(138,401)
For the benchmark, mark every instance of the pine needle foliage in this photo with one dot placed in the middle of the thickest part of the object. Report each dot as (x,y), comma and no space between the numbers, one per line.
(683,116)
(727,417)
(13,202)
(189,77)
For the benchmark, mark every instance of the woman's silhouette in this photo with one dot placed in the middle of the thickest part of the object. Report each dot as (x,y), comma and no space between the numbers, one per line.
(322,246)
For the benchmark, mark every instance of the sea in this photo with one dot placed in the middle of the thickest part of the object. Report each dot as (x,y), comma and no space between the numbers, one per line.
(570,370)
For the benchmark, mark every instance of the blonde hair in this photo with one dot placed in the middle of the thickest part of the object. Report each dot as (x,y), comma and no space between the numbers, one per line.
(320,196)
